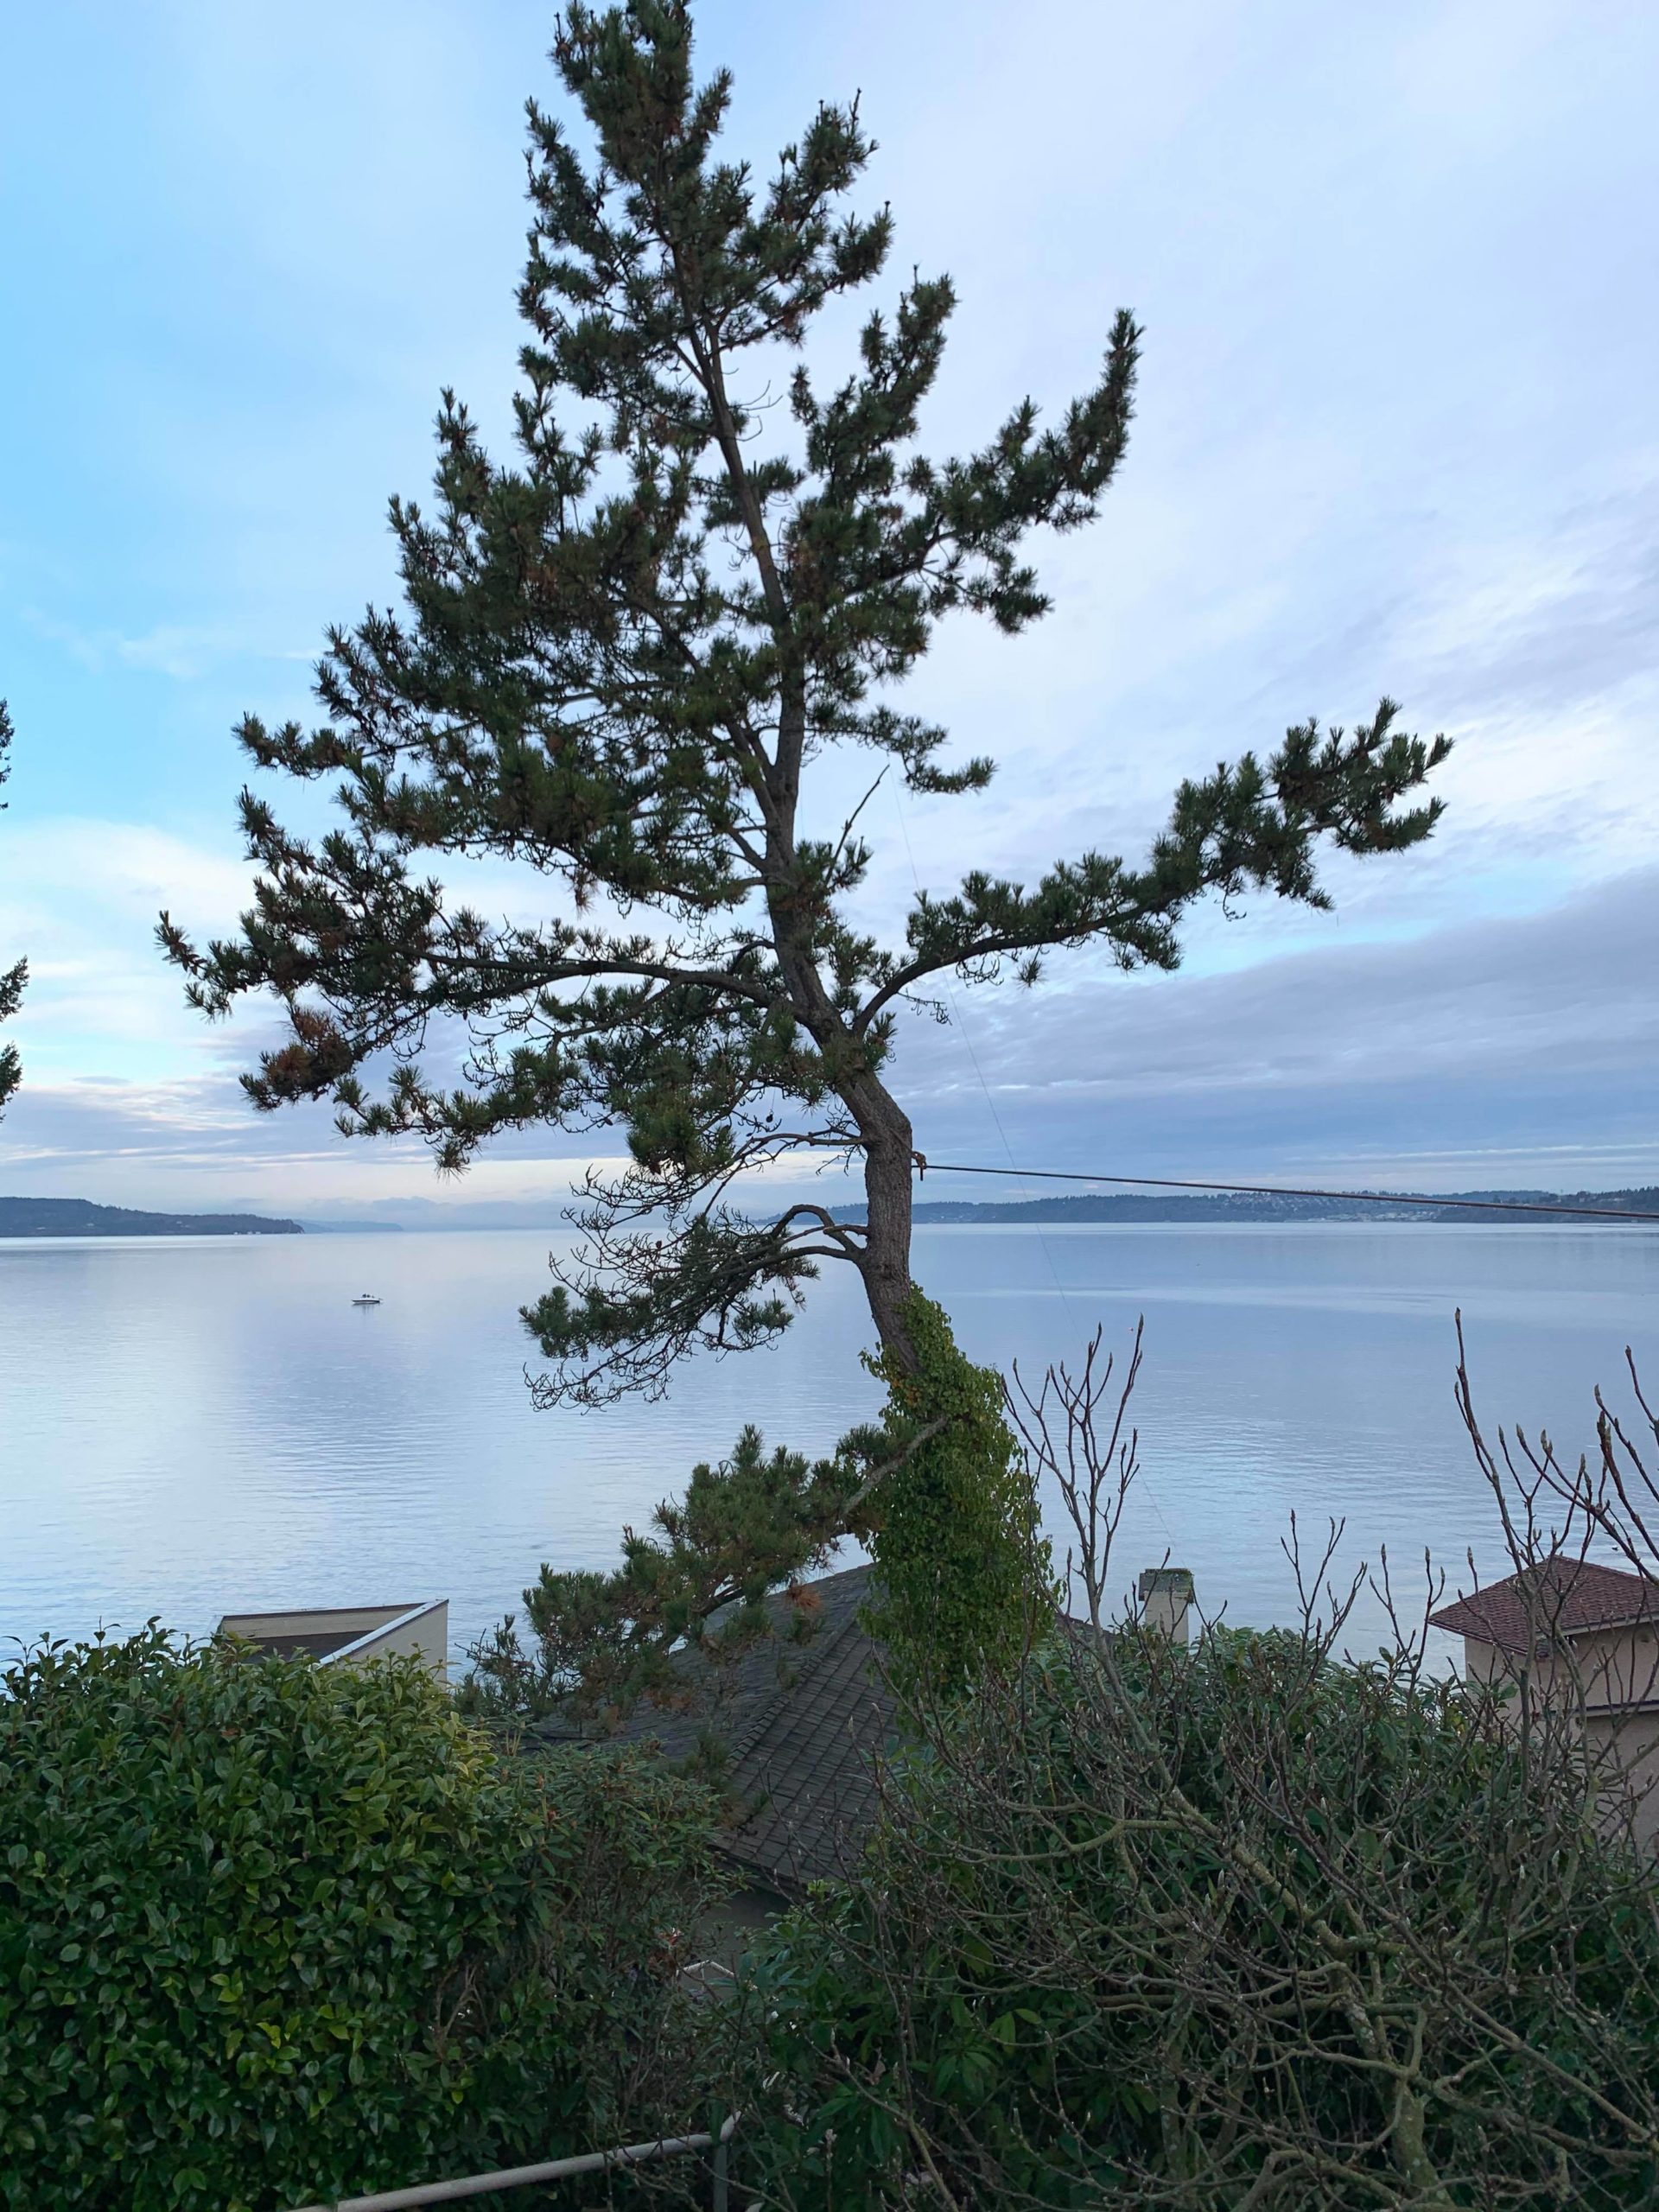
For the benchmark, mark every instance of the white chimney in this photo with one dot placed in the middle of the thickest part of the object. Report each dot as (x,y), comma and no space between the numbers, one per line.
(1165,1597)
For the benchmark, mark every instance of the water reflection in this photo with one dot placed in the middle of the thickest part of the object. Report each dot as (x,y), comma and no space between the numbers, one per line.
(193,1425)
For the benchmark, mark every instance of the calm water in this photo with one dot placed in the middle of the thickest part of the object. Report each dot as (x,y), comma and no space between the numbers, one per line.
(193,1426)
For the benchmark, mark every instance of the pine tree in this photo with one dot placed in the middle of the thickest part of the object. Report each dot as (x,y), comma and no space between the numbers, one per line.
(621,654)
(12,979)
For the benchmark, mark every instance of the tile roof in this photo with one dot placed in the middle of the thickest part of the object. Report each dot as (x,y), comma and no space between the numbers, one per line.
(1562,1596)
(802,1714)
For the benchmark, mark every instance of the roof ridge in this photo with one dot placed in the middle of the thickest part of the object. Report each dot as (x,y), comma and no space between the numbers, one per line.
(1569,1569)
(1577,1597)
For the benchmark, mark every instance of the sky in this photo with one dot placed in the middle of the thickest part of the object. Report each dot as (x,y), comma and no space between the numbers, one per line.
(1397,432)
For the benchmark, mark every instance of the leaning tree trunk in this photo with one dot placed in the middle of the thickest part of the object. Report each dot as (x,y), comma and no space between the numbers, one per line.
(888,1155)
(882,1123)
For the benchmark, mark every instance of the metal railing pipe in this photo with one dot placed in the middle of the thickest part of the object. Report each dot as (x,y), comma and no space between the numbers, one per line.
(588,2162)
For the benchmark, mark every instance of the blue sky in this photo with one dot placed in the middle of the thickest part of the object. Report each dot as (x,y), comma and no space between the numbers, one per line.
(1398,432)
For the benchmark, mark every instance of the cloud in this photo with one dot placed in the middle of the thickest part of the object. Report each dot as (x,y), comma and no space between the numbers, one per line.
(81,896)
(171,650)
(196,1144)
(1497,1053)
(1395,433)
(182,651)
(1527,1044)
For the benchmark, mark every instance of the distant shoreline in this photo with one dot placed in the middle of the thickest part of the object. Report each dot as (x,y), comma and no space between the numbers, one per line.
(1218,1211)
(21,1219)
(80,1218)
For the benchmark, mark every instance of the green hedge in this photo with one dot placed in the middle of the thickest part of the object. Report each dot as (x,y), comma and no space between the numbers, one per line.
(271,1932)
(1246,1928)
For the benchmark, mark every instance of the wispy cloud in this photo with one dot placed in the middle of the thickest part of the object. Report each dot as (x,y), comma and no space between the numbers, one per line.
(1395,433)
(177,651)
(80,897)
(1484,1042)
(1449,1061)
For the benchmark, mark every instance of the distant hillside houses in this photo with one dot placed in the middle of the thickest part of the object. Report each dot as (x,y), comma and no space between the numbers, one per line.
(1220,1209)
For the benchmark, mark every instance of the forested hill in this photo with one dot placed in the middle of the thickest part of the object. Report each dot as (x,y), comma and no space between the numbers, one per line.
(1216,1209)
(80,1218)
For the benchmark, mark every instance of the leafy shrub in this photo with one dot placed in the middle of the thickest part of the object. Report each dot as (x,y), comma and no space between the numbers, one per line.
(271,1932)
(1251,1928)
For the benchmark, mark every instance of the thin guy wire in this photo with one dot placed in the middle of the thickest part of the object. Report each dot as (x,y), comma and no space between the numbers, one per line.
(1285,1190)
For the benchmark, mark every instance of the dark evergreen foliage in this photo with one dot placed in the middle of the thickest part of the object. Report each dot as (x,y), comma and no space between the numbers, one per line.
(620,655)
(602,1639)
(937,1489)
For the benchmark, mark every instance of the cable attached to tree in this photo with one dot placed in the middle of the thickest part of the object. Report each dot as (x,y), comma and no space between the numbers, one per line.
(925,1167)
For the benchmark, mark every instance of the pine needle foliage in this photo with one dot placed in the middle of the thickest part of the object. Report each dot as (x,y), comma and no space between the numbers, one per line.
(601,1639)
(622,654)
(937,1489)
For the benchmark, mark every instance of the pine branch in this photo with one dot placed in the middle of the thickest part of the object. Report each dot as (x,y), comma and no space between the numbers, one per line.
(1242,827)
(633,1304)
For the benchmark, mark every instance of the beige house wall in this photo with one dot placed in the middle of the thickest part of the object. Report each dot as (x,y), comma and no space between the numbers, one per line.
(419,1632)
(1611,1678)
(1631,1744)
(425,1634)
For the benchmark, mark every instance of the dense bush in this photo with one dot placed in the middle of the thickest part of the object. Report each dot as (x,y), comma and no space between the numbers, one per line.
(270,1931)
(1250,1928)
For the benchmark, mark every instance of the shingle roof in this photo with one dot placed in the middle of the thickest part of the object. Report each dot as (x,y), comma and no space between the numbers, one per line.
(319,1642)
(802,1714)
(1557,1598)
(807,1766)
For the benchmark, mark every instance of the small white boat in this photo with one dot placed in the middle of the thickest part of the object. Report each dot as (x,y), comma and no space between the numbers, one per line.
(368,1297)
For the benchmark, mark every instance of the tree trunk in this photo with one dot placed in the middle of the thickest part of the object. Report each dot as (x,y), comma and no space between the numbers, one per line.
(889,1150)
(888,1155)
